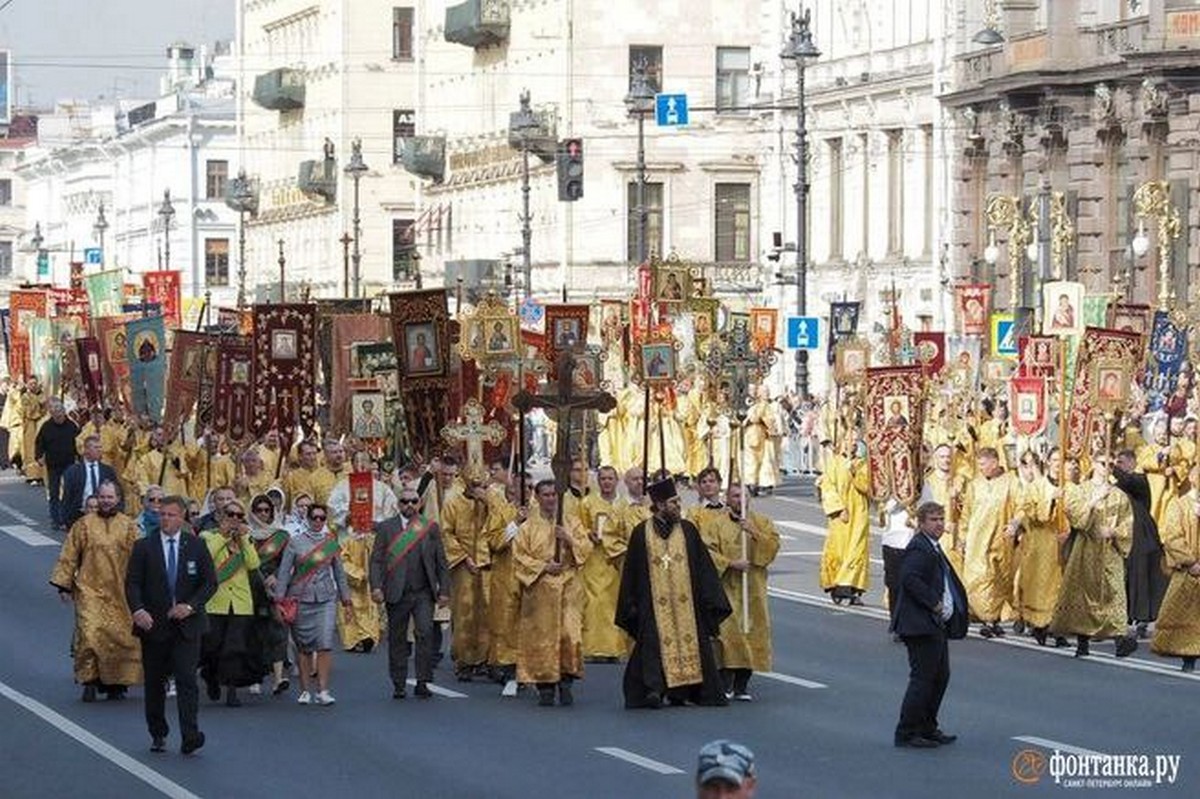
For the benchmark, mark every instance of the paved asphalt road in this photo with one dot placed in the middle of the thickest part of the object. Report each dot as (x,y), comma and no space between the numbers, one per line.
(821,725)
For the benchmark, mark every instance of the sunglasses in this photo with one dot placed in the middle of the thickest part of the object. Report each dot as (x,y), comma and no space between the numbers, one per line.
(409,501)
(154,500)
(320,517)
(234,514)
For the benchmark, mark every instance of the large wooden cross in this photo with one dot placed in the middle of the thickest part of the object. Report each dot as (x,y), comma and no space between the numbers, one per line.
(473,432)
(561,401)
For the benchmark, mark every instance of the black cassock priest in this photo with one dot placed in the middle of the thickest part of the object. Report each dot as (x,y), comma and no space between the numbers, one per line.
(671,603)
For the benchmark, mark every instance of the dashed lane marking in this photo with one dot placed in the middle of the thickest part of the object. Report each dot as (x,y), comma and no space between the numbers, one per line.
(638,760)
(789,679)
(16,514)
(804,527)
(1046,743)
(27,535)
(438,690)
(106,750)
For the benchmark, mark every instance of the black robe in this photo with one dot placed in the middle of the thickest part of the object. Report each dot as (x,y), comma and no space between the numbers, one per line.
(645,682)
(1145,582)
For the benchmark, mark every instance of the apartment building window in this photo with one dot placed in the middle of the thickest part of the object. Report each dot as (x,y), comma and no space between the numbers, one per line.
(402,33)
(6,192)
(216,262)
(733,79)
(653,55)
(732,218)
(895,167)
(403,248)
(6,253)
(654,221)
(217,177)
(836,198)
(404,126)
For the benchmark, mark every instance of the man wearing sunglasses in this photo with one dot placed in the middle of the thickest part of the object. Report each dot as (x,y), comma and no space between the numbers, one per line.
(226,656)
(409,573)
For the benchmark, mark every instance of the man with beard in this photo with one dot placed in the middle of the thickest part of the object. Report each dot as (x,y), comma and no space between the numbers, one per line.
(91,573)
(667,567)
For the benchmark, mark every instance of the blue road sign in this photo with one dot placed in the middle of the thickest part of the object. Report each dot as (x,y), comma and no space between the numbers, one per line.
(671,109)
(92,256)
(1006,341)
(43,263)
(803,333)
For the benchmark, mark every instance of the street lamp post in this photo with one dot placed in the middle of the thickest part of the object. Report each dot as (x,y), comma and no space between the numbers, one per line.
(100,226)
(282,270)
(639,102)
(800,49)
(243,199)
(166,213)
(523,123)
(356,169)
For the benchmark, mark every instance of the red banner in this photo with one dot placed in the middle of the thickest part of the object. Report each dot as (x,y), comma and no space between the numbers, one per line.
(192,352)
(110,331)
(931,351)
(1105,351)
(895,420)
(233,397)
(1028,403)
(23,304)
(90,370)
(1038,356)
(163,288)
(972,303)
(285,348)
(362,501)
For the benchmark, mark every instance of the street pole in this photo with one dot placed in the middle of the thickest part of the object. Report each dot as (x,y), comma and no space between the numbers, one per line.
(356,169)
(345,240)
(167,212)
(638,102)
(282,265)
(241,295)
(800,48)
(526,220)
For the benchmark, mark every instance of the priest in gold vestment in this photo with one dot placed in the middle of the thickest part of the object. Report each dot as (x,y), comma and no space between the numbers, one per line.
(600,520)
(1177,630)
(33,411)
(1039,575)
(671,603)
(91,573)
(504,592)
(547,558)
(987,532)
(1091,604)
(844,559)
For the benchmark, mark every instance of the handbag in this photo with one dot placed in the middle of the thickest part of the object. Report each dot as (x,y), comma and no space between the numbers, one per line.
(288,608)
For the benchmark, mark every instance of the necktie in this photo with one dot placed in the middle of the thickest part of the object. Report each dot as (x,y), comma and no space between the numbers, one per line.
(95,478)
(172,567)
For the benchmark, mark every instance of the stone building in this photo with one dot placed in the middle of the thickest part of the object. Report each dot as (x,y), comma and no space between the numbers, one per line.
(1090,98)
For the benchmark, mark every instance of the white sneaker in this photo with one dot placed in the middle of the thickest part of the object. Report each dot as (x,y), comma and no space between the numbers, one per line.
(325,698)
(171,688)
(510,688)
(305,698)
(256,690)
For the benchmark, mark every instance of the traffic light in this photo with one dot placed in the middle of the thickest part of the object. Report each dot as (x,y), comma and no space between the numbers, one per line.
(570,170)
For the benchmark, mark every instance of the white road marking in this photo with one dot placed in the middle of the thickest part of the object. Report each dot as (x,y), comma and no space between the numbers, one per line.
(1046,743)
(787,678)
(16,514)
(27,535)
(106,750)
(810,503)
(803,527)
(438,690)
(1133,664)
(638,760)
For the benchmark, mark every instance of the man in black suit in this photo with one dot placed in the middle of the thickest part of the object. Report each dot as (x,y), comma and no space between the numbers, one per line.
(409,572)
(1145,581)
(169,580)
(83,478)
(930,608)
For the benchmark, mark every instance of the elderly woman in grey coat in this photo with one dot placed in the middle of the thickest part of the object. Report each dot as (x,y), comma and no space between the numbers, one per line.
(311,573)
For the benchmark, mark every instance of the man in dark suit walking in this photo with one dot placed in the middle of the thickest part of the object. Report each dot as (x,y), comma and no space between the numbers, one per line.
(409,572)
(169,580)
(931,607)
(83,478)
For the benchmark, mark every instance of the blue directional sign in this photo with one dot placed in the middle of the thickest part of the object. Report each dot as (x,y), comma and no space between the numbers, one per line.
(803,333)
(92,256)
(671,109)
(43,263)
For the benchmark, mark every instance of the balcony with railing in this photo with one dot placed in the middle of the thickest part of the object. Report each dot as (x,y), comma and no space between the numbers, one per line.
(280,90)
(478,23)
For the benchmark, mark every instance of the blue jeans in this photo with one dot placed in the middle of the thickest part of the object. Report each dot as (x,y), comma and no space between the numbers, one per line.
(54,478)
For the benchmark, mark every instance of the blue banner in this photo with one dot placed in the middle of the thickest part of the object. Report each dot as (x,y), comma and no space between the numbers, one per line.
(1168,351)
(146,354)
(5,326)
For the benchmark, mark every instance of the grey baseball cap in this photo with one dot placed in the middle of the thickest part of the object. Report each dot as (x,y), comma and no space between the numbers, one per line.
(724,760)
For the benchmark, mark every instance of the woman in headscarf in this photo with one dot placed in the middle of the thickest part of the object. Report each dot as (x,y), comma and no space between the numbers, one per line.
(296,523)
(270,540)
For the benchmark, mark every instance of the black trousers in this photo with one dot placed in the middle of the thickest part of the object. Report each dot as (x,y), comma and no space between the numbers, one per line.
(892,558)
(928,676)
(178,658)
(417,605)
(54,476)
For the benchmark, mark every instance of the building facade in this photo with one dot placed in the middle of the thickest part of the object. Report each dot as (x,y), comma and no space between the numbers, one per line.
(315,77)
(21,133)
(1090,99)
(124,158)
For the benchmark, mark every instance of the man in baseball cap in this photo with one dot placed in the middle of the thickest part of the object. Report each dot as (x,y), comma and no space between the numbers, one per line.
(725,771)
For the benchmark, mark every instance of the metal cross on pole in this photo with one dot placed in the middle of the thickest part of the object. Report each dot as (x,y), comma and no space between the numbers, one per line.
(473,432)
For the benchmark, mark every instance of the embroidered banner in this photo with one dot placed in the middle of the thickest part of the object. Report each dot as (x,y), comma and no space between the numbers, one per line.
(145,352)
(421,336)
(1101,352)
(1095,310)
(66,329)
(110,331)
(895,420)
(284,354)
(931,351)
(24,305)
(193,362)
(6,329)
(44,358)
(1028,402)
(91,373)
(105,292)
(1168,351)
(1038,356)
(362,501)
(163,288)
(345,332)
(233,397)
(973,304)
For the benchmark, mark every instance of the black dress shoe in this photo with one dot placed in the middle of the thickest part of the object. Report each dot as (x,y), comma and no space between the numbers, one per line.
(89,693)
(116,693)
(422,690)
(545,697)
(941,737)
(191,743)
(158,744)
(1189,665)
(565,697)
(1039,635)
(398,692)
(231,698)
(1082,648)
(917,742)
(1126,646)
(213,689)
